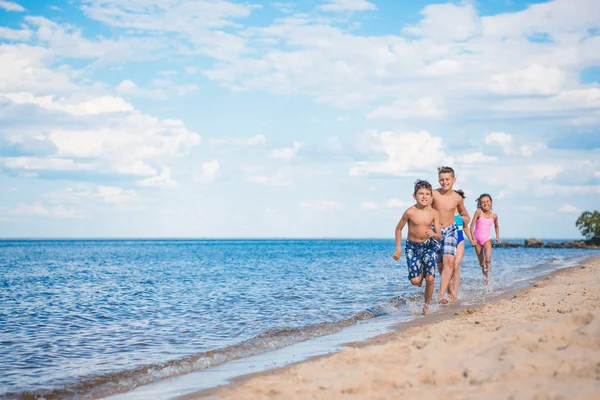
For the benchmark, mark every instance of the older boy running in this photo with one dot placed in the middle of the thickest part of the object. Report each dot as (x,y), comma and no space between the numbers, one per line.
(445,201)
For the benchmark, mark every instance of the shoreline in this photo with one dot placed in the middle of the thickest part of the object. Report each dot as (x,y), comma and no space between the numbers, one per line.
(295,380)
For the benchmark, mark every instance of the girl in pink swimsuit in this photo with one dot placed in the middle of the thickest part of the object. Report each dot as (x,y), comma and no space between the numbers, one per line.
(481,224)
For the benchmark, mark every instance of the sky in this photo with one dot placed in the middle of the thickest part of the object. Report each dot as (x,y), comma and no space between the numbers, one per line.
(308,118)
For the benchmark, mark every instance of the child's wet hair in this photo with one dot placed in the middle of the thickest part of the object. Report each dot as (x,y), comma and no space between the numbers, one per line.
(461,193)
(421,184)
(446,170)
(481,197)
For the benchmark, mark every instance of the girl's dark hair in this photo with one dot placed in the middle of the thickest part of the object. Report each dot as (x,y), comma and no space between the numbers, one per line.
(481,197)
(420,184)
(461,192)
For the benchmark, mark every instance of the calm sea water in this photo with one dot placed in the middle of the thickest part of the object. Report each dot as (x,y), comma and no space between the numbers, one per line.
(85,319)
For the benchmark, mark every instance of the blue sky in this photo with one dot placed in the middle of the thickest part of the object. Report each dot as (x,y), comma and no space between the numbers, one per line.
(312,118)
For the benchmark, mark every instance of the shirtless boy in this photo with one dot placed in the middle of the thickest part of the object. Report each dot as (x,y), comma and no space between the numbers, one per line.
(420,244)
(445,202)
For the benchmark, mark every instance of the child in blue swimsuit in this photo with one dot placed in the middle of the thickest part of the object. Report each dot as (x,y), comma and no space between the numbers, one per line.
(460,246)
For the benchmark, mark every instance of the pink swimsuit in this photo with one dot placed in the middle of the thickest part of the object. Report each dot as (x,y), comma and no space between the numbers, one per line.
(482,229)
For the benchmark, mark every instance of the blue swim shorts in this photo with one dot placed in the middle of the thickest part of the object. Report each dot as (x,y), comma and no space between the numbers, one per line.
(421,257)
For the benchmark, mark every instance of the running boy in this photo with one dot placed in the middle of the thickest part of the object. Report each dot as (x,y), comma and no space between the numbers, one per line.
(445,201)
(420,243)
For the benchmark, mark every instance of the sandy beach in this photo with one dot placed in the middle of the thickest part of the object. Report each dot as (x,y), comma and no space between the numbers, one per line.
(542,342)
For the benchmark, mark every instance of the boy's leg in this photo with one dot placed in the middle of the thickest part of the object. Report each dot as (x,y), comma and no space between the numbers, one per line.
(460,252)
(429,284)
(446,276)
(418,281)
(415,264)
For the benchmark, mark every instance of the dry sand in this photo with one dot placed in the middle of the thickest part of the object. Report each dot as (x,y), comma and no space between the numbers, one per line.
(543,343)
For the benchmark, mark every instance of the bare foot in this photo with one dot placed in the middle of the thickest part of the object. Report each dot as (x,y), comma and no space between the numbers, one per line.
(443,300)
(425,309)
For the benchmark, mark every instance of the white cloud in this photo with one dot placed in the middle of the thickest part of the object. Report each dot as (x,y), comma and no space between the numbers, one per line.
(209,171)
(551,190)
(163,180)
(545,171)
(46,164)
(534,79)
(369,205)
(477,158)
(18,35)
(406,153)
(67,41)
(63,212)
(424,107)
(127,86)
(89,106)
(528,208)
(287,153)
(39,210)
(556,18)
(504,140)
(277,180)
(115,195)
(161,89)
(459,59)
(443,22)
(201,22)
(253,141)
(84,194)
(36,209)
(347,5)
(442,68)
(24,68)
(529,150)
(11,6)
(568,208)
(397,203)
(334,144)
(324,205)
(134,167)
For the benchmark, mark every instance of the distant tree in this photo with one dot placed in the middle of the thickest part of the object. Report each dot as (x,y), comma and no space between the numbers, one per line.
(588,224)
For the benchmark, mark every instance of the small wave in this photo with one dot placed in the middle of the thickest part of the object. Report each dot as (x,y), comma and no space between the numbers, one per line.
(124,381)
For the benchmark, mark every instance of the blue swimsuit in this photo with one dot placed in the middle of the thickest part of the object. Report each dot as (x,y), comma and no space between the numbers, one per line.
(459,223)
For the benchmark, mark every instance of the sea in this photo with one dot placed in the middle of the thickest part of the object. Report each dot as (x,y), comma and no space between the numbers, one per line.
(87,319)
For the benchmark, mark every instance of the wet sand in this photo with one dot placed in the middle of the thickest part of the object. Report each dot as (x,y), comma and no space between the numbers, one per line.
(542,342)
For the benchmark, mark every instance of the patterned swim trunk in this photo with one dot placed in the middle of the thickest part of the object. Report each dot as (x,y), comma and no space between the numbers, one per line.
(421,257)
(449,242)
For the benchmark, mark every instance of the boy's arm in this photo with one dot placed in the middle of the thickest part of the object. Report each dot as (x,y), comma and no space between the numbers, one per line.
(462,210)
(497,228)
(398,235)
(436,225)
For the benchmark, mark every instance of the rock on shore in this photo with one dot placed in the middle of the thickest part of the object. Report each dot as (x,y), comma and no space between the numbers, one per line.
(537,243)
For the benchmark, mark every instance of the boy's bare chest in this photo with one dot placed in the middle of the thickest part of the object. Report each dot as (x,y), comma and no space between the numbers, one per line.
(422,218)
(445,204)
